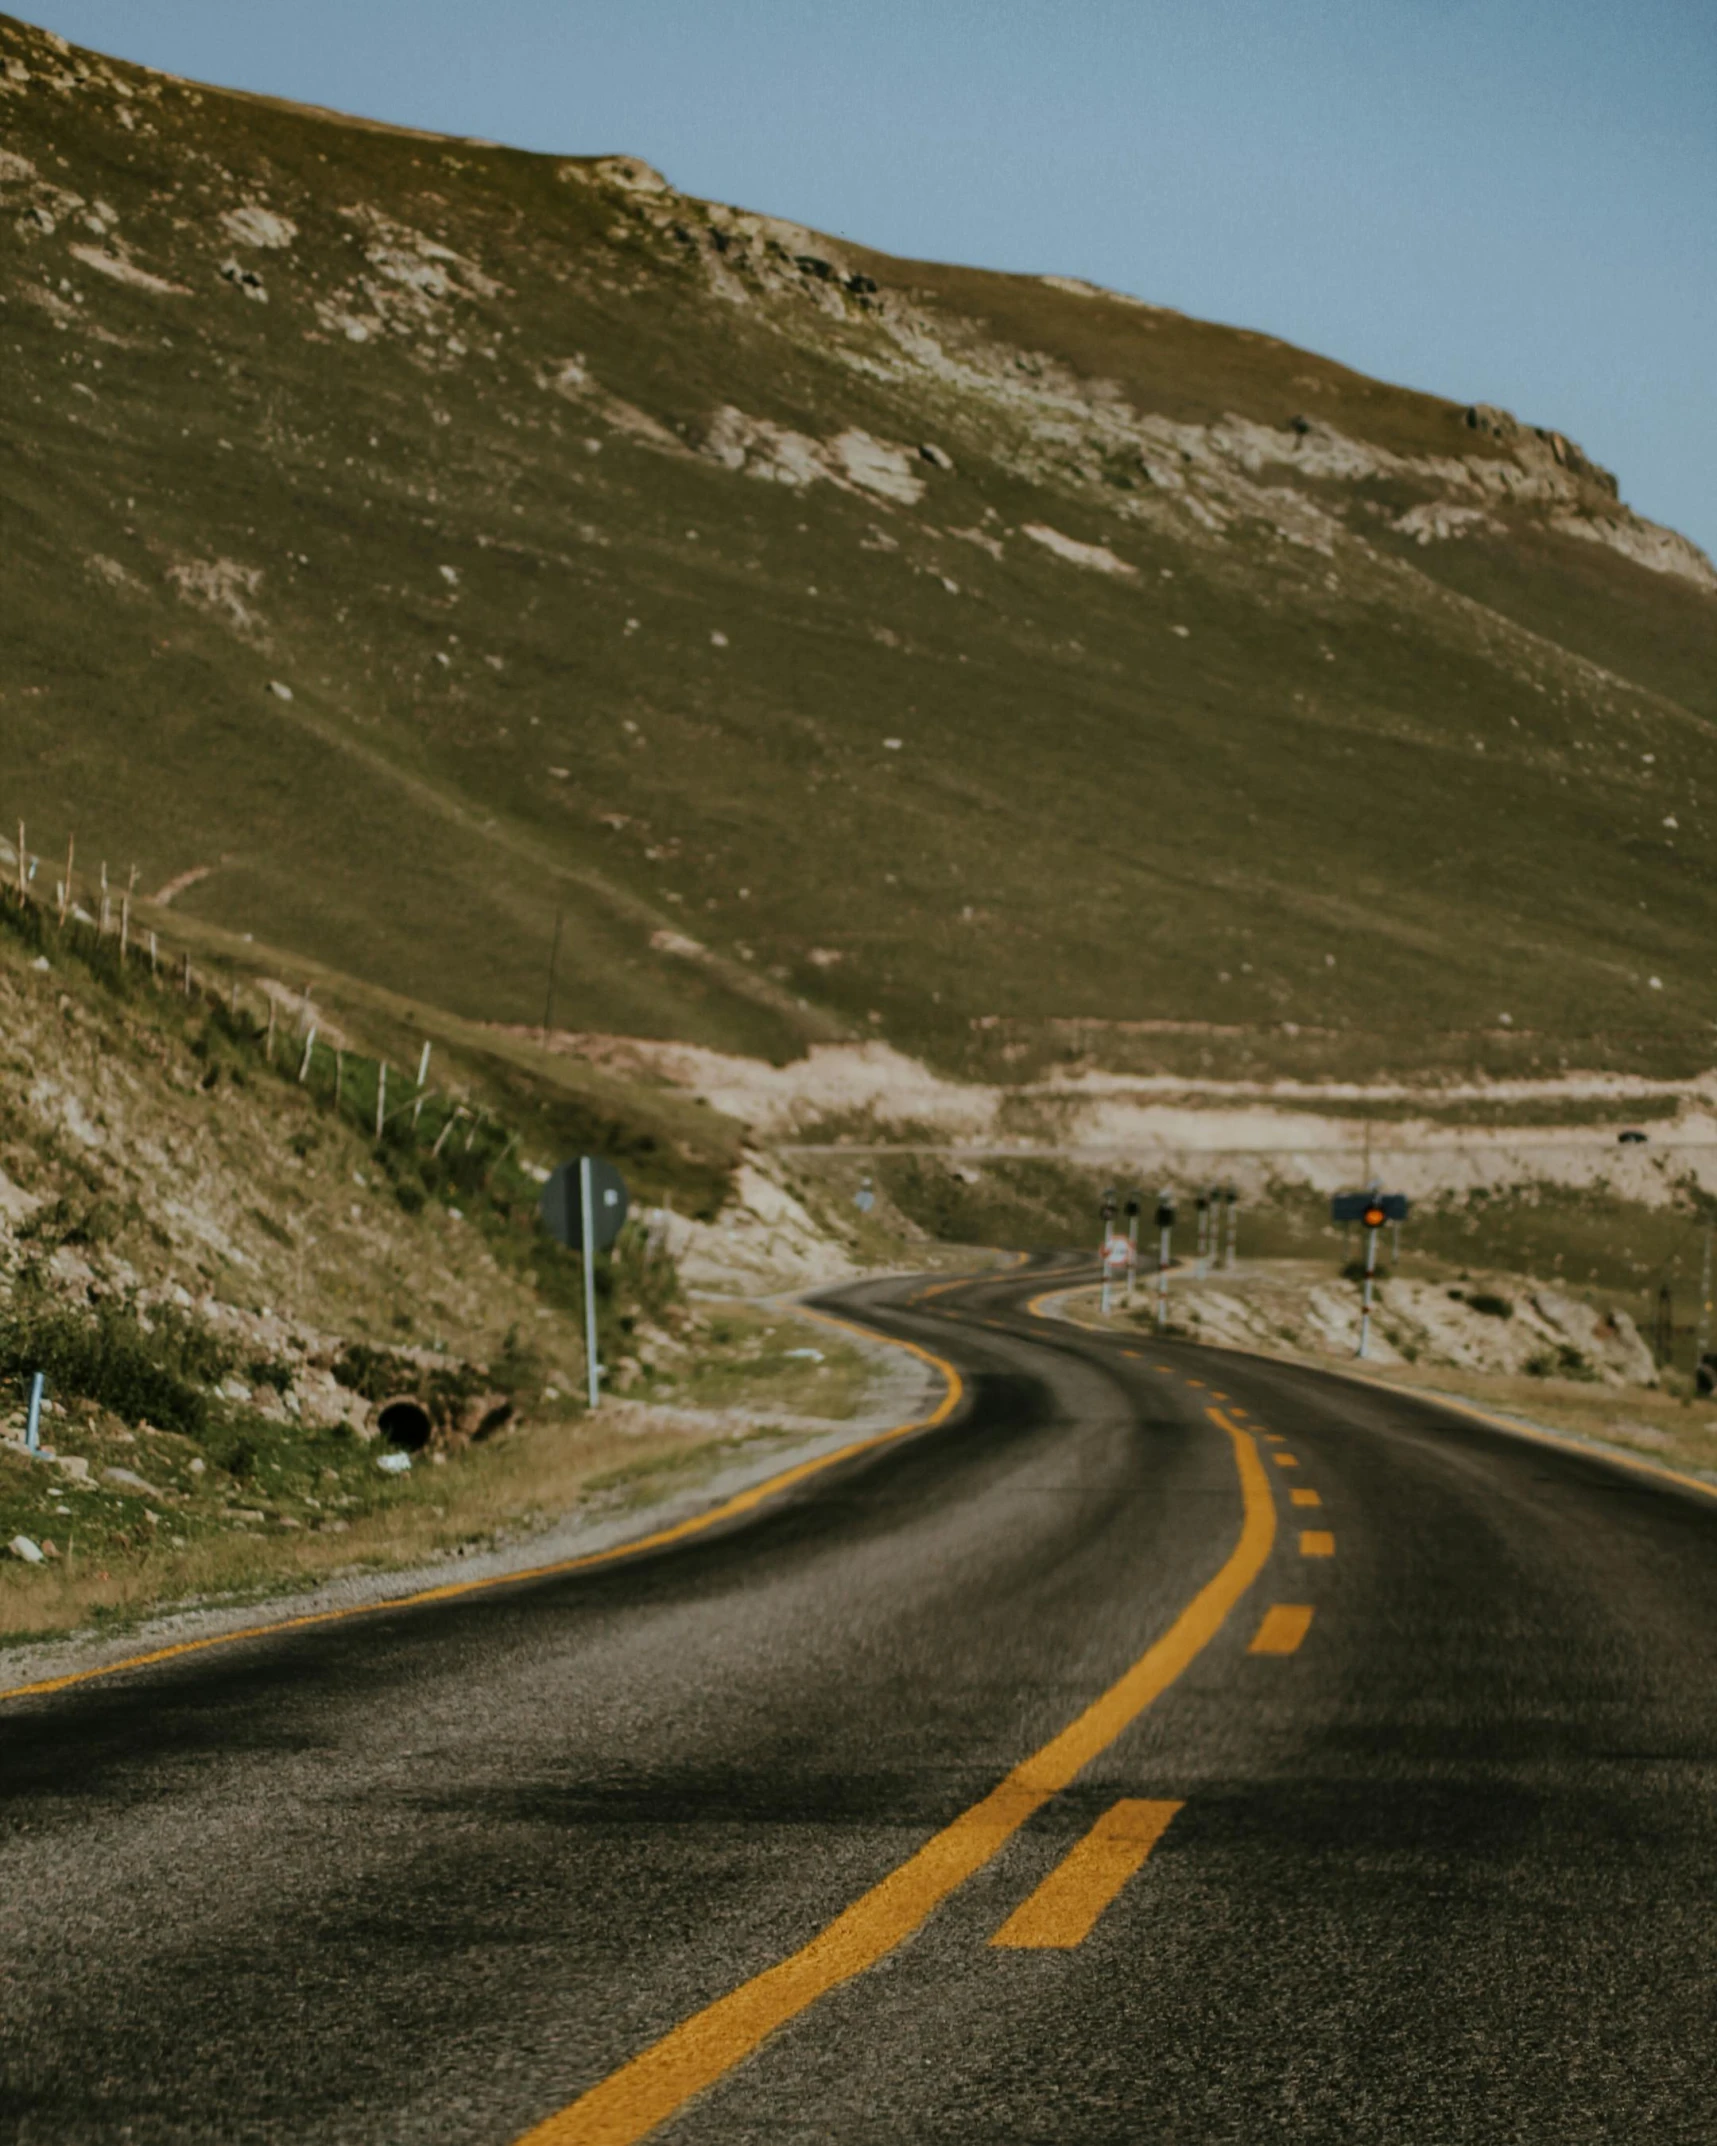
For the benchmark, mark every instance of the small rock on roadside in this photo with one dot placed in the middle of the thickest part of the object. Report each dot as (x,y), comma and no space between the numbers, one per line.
(29,1552)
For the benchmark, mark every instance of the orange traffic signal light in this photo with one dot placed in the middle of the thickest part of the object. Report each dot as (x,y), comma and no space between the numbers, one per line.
(1374,1216)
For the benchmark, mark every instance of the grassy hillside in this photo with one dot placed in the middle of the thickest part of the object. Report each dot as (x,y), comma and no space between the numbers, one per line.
(836,645)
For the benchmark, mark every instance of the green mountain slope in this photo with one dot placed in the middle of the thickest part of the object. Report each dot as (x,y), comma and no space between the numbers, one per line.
(838,645)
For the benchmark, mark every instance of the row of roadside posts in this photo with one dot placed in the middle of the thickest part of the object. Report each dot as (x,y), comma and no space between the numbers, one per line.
(584,1206)
(1218,1210)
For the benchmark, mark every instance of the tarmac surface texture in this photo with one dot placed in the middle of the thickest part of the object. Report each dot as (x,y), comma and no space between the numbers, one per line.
(1170,1746)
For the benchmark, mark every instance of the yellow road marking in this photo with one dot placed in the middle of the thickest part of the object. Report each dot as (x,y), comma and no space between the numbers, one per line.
(1316,1542)
(1285,1625)
(1304,1497)
(1538,1433)
(743,1501)
(1284,1460)
(1199,1383)
(632,2101)
(1065,1907)
(1136,1354)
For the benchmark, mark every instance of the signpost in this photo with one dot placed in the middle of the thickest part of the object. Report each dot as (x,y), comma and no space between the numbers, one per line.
(584,1206)
(1373,1207)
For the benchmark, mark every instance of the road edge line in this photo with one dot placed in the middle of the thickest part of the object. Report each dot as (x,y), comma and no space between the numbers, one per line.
(730,1508)
(1514,1426)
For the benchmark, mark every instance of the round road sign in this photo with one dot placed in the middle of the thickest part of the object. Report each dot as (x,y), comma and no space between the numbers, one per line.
(561,1205)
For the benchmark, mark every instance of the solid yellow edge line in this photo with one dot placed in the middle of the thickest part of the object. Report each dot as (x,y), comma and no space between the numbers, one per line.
(631,2102)
(1063,1911)
(743,1501)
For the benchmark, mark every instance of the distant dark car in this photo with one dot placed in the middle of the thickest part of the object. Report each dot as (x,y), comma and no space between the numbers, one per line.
(1633,1139)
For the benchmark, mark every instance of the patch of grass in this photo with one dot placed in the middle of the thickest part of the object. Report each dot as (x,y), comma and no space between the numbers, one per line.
(749,1358)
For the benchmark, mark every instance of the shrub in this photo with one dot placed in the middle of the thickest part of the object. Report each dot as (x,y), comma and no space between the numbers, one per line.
(154,1373)
(1566,1362)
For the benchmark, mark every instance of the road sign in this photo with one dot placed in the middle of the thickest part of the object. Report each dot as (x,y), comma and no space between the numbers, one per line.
(560,1205)
(1118,1255)
(1371,1208)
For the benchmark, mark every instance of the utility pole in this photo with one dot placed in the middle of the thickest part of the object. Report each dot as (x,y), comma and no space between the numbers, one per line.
(1231,1256)
(1108,1238)
(553,964)
(1703,1340)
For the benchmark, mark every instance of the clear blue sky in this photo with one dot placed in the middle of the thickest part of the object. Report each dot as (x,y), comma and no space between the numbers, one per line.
(1512,201)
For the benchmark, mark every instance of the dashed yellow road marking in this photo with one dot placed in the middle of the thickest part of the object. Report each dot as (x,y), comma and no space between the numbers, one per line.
(1284,1460)
(1316,1542)
(632,2101)
(1065,1907)
(1284,1625)
(1304,1497)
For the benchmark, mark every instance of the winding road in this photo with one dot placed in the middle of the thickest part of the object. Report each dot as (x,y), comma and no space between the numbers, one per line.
(1164,1745)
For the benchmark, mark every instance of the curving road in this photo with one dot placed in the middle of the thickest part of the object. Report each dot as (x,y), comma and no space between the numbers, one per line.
(1328,1765)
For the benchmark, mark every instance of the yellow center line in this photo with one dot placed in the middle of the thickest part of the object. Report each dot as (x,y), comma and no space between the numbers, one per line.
(1316,1542)
(1065,1907)
(1304,1497)
(743,1501)
(1284,1625)
(691,2057)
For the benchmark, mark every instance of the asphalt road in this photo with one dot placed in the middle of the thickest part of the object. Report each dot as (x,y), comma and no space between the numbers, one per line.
(1444,1870)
